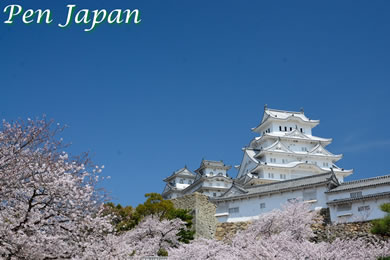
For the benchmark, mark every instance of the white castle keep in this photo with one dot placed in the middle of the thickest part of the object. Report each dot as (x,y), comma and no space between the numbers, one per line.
(285,162)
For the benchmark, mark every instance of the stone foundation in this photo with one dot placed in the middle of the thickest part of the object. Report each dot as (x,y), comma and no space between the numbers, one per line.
(323,232)
(203,211)
(227,230)
(206,225)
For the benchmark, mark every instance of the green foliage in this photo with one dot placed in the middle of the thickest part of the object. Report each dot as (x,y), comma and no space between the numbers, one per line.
(126,218)
(123,219)
(382,226)
(385,207)
(162,252)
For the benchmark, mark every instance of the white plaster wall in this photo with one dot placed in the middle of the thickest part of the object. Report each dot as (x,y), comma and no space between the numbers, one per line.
(250,208)
(354,215)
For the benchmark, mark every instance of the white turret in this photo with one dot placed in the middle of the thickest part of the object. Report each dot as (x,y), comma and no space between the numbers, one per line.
(286,149)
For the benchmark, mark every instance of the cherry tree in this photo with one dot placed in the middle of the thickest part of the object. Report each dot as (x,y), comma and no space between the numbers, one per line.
(49,204)
(150,237)
(281,234)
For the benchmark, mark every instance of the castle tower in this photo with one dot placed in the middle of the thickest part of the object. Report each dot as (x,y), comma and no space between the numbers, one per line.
(177,182)
(211,179)
(286,149)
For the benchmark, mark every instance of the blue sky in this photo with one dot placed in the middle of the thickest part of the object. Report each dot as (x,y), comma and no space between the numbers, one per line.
(192,79)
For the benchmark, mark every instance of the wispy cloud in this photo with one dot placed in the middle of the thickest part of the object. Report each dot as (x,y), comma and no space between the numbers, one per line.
(368,145)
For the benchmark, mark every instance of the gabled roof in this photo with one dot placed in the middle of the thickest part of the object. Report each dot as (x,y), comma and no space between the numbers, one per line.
(183,172)
(328,179)
(170,189)
(251,153)
(212,164)
(363,183)
(234,190)
(297,134)
(277,146)
(320,150)
(283,115)
(285,135)
(290,165)
(202,178)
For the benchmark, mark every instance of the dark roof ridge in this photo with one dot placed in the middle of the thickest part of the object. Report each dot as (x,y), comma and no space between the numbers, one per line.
(365,180)
(285,111)
(290,180)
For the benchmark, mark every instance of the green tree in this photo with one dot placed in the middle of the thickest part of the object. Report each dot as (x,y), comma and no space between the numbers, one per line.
(126,218)
(123,217)
(382,226)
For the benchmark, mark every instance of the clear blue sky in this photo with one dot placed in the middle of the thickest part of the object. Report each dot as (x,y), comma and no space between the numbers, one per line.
(192,79)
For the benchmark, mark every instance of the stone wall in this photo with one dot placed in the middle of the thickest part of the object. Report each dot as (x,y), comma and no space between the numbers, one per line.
(322,231)
(227,230)
(328,233)
(203,211)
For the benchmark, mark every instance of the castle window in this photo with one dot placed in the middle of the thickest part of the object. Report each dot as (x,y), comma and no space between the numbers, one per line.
(309,195)
(292,200)
(211,173)
(357,194)
(262,205)
(270,175)
(285,128)
(344,207)
(364,208)
(280,128)
(325,164)
(234,210)
(283,176)
(290,128)
(220,174)
(189,182)
(301,130)
(304,149)
(214,194)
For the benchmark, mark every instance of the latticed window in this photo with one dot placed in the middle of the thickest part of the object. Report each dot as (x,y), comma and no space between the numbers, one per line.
(234,210)
(309,195)
(364,208)
(344,207)
(357,194)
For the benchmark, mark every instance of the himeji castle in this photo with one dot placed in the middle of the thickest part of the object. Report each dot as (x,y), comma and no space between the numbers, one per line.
(284,162)
(286,149)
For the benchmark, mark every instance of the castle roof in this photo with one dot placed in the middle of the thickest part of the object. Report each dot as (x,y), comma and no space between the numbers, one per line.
(183,172)
(363,183)
(279,147)
(283,115)
(212,164)
(237,191)
(365,197)
(293,135)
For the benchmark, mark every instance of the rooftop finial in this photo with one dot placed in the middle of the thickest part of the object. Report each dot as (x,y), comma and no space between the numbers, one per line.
(185,166)
(265,106)
(302,110)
